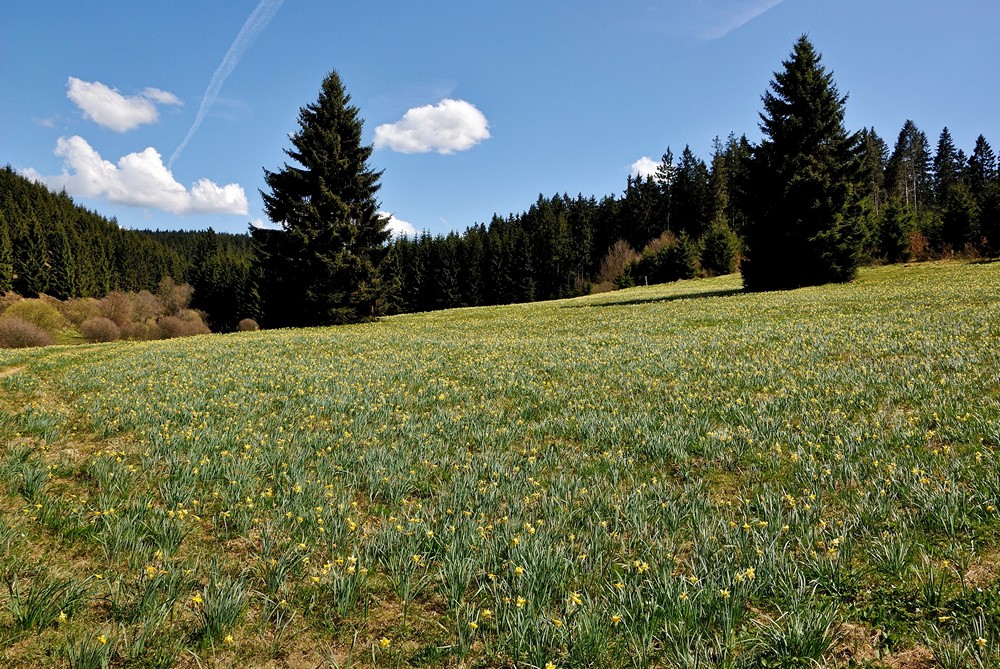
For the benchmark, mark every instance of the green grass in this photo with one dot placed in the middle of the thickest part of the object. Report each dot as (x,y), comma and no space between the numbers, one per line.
(680,475)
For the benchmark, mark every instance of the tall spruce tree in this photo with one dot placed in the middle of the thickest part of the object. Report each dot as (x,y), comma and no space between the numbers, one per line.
(908,171)
(322,266)
(803,227)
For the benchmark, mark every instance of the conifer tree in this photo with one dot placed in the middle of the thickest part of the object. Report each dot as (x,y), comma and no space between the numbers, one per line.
(802,226)
(908,169)
(947,166)
(322,266)
(6,257)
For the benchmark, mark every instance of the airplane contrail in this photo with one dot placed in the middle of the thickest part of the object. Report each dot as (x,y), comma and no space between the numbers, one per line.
(253,26)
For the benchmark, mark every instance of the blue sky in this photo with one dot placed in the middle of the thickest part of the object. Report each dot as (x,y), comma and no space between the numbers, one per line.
(475,108)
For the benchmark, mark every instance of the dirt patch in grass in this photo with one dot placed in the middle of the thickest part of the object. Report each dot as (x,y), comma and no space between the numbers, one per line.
(11,371)
(918,657)
(984,571)
(857,643)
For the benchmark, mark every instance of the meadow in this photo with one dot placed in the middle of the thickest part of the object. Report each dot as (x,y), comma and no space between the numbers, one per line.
(680,475)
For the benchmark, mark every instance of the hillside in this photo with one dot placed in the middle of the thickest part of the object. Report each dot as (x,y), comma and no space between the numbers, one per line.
(651,477)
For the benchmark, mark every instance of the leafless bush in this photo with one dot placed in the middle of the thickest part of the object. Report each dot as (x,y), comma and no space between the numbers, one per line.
(18,333)
(181,326)
(80,309)
(247,325)
(147,331)
(666,239)
(614,263)
(100,329)
(175,296)
(39,312)
(146,306)
(118,307)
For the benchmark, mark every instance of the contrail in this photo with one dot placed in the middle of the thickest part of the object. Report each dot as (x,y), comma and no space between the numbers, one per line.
(253,26)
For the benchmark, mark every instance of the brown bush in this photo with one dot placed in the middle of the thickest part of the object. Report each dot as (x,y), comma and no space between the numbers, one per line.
(664,240)
(919,246)
(18,333)
(247,325)
(100,329)
(147,331)
(146,306)
(174,296)
(79,309)
(118,307)
(39,312)
(614,263)
(177,326)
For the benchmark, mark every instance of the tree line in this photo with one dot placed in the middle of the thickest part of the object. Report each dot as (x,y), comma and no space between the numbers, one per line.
(807,204)
(50,245)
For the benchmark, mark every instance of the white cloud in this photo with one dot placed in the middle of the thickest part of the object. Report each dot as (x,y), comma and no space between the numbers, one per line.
(138,180)
(161,97)
(449,126)
(398,226)
(644,167)
(109,108)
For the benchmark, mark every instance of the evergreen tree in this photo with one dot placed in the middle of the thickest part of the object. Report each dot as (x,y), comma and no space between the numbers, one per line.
(985,188)
(322,266)
(891,238)
(802,228)
(873,155)
(6,257)
(908,170)
(690,196)
(947,166)
(720,249)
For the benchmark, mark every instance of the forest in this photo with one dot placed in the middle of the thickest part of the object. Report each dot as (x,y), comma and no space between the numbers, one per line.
(689,219)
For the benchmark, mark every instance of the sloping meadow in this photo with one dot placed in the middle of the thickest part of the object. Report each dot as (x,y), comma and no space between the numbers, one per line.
(654,477)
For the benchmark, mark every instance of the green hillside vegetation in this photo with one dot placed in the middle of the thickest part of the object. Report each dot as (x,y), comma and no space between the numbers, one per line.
(676,475)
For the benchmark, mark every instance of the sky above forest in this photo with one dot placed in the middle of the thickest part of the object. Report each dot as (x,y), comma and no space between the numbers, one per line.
(164,115)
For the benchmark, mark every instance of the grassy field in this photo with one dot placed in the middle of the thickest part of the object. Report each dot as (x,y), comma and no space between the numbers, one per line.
(677,475)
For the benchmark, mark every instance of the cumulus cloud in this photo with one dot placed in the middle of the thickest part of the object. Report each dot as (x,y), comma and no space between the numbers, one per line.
(644,167)
(107,107)
(138,180)
(449,126)
(398,226)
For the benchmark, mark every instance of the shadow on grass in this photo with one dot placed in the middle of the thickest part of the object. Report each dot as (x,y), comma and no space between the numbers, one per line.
(670,298)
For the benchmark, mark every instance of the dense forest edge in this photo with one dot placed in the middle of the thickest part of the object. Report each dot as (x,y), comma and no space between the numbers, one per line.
(685,221)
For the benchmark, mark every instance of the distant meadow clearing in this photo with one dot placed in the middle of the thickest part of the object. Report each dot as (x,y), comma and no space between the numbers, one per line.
(678,475)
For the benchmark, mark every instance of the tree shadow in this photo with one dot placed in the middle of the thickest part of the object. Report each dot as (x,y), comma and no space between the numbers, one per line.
(670,298)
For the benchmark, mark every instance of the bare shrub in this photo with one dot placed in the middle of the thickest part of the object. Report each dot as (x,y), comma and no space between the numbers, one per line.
(146,306)
(146,331)
(175,296)
(919,246)
(247,325)
(614,263)
(16,332)
(177,326)
(100,329)
(666,239)
(39,312)
(118,307)
(79,309)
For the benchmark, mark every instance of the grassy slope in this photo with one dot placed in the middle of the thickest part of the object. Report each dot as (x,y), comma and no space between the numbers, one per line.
(595,472)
